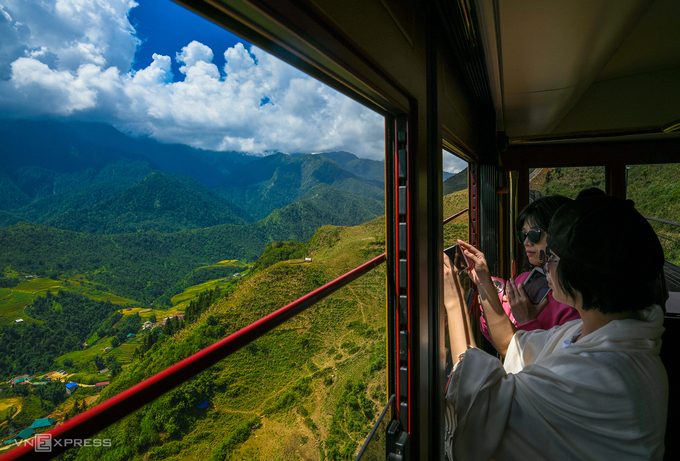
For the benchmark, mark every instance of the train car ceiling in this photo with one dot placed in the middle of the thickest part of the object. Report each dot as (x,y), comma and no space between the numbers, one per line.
(575,66)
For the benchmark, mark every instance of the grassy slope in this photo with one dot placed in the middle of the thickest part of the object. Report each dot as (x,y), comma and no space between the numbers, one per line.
(290,379)
(655,189)
(458,228)
(13,301)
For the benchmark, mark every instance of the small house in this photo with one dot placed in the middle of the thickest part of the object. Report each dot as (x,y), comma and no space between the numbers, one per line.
(19,321)
(105,370)
(42,422)
(71,388)
(25,434)
(101,385)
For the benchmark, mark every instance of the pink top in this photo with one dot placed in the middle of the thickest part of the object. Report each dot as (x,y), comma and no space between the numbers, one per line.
(555,313)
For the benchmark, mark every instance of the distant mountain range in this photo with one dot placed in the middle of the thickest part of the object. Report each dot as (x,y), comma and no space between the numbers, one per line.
(89,177)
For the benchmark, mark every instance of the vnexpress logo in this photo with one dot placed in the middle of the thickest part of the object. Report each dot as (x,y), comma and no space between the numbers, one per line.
(43,443)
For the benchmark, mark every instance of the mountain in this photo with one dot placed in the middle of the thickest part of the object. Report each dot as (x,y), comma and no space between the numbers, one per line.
(78,146)
(71,174)
(278,180)
(49,168)
(456,182)
(310,389)
(160,202)
(142,266)
(364,168)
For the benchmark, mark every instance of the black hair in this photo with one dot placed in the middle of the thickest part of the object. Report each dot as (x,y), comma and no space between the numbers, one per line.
(590,192)
(591,237)
(608,295)
(539,213)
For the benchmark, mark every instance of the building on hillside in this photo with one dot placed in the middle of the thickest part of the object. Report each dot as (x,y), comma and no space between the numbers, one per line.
(108,348)
(19,379)
(308,260)
(105,370)
(42,422)
(101,385)
(25,434)
(19,321)
(71,388)
(147,324)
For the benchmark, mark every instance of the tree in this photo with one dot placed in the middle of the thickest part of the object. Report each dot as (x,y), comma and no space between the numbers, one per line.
(98,362)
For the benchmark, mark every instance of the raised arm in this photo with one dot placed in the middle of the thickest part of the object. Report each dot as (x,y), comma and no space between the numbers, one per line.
(460,332)
(500,327)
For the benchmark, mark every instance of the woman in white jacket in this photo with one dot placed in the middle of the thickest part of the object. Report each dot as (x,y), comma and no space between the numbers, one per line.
(593,388)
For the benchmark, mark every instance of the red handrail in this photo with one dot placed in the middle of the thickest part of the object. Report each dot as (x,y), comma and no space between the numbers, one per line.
(117,407)
(451,218)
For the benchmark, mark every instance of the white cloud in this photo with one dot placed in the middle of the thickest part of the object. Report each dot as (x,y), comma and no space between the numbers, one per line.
(74,58)
(452,163)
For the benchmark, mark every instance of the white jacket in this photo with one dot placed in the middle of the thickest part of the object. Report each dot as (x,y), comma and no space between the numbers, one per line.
(604,397)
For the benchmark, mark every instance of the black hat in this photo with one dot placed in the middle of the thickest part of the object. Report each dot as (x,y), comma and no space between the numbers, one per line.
(608,236)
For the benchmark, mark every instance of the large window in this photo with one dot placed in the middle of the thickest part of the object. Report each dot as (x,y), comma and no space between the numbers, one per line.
(164,184)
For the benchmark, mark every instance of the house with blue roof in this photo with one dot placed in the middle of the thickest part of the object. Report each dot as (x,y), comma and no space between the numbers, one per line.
(71,388)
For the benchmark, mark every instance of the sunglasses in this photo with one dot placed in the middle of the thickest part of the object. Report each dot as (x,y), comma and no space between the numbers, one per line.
(534,236)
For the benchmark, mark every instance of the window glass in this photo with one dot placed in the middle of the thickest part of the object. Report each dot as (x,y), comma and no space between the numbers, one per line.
(655,189)
(455,198)
(165,184)
(567,181)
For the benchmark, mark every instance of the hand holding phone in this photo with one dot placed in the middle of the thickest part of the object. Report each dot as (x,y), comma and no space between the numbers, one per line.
(457,257)
(536,286)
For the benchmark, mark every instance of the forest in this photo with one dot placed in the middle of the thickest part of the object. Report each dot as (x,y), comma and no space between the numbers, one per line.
(65,321)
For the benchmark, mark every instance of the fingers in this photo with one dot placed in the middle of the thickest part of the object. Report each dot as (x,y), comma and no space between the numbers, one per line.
(514,292)
(471,252)
(540,306)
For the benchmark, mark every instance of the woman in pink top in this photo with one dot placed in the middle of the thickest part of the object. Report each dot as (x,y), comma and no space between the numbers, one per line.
(531,226)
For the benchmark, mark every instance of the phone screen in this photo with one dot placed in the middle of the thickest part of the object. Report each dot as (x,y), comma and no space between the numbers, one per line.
(536,286)
(456,255)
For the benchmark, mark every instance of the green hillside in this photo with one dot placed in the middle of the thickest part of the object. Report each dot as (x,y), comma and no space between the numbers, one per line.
(160,203)
(364,168)
(458,228)
(655,189)
(311,389)
(569,181)
(456,182)
(15,298)
(275,181)
(144,266)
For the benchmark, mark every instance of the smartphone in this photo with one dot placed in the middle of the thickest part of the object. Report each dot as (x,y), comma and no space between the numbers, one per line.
(456,255)
(536,286)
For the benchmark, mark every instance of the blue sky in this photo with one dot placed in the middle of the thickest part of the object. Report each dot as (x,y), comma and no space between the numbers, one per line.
(153,68)
(154,19)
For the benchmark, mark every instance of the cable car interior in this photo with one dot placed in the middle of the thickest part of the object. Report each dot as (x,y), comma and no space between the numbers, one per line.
(509,86)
